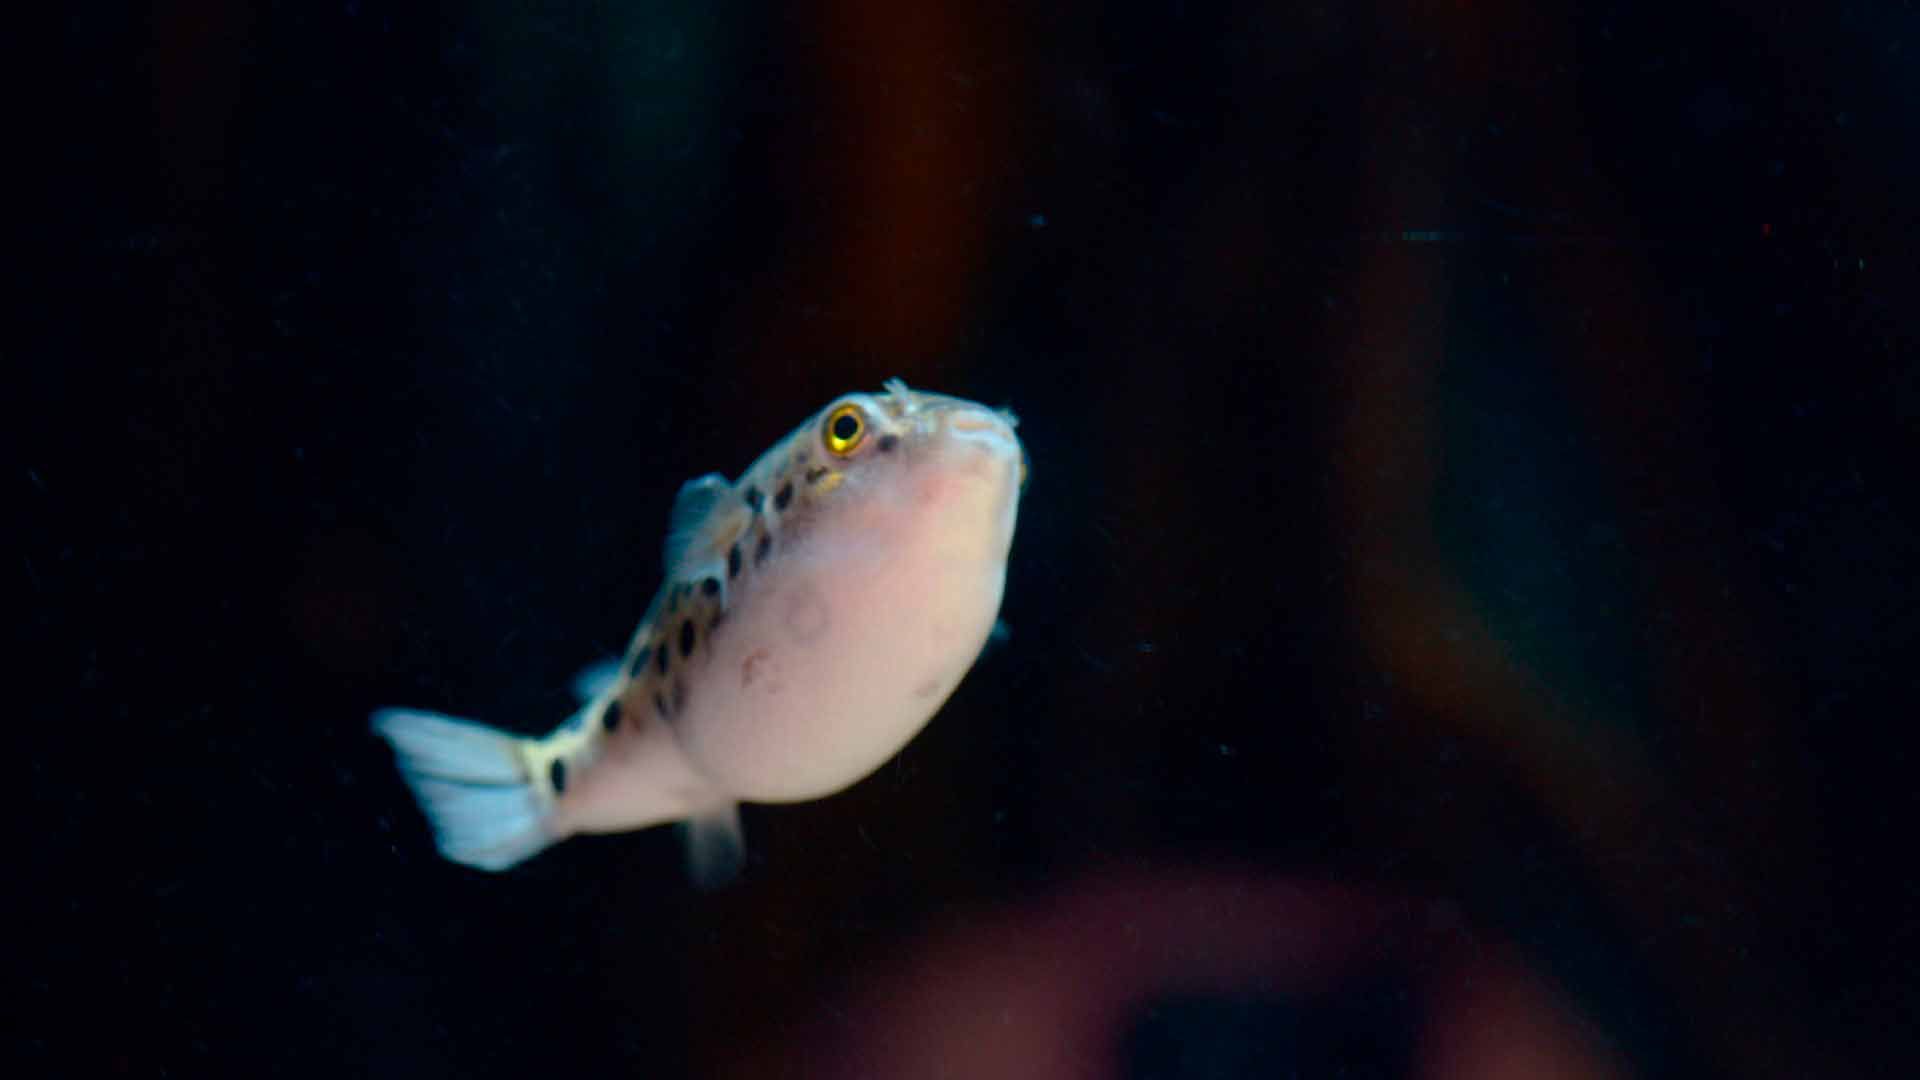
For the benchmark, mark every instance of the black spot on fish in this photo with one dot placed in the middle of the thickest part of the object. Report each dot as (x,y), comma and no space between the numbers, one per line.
(611,718)
(660,658)
(660,706)
(733,561)
(710,586)
(755,499)
(686,637)
(557,773)
(817,474)
(783,497)
(888,442)
(760,549)
(640,662)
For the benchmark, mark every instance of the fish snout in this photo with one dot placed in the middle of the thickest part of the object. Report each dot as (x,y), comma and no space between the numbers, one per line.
(984,429)
(984,441)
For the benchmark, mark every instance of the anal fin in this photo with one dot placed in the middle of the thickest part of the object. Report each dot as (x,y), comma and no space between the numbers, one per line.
(716,849)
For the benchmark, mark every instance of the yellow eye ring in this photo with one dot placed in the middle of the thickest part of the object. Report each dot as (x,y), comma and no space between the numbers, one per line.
(845,429)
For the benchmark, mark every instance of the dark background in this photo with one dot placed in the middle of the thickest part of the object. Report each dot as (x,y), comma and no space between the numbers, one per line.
(1471,534)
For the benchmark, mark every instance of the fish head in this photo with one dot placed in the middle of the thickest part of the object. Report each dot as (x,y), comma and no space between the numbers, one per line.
(895,517)
(904,459)
(907,442)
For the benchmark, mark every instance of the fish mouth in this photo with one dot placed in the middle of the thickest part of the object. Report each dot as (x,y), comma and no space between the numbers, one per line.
(962,425)
(986,435)
(986,428)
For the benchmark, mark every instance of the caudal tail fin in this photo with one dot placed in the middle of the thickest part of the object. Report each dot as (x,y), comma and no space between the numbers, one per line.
(472,784)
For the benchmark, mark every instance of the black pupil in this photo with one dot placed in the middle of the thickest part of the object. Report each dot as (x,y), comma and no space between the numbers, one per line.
(845,427)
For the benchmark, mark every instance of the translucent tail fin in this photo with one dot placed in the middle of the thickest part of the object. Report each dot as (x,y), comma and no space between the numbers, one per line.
(471,782)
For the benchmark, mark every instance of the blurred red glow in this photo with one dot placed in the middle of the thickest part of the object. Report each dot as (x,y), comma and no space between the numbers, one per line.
(1049,988)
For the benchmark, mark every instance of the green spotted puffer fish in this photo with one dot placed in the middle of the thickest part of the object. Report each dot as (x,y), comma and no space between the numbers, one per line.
(816,613)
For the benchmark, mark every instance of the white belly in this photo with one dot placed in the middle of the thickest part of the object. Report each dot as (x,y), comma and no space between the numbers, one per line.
(838,656)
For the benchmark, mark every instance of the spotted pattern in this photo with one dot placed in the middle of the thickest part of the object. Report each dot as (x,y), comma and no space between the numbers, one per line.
(692,609)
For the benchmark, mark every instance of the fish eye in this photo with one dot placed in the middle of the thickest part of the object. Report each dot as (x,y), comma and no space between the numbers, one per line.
(846,427)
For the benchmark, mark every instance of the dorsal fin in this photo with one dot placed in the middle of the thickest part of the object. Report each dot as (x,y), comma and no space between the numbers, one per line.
(594,680)
(691,508)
